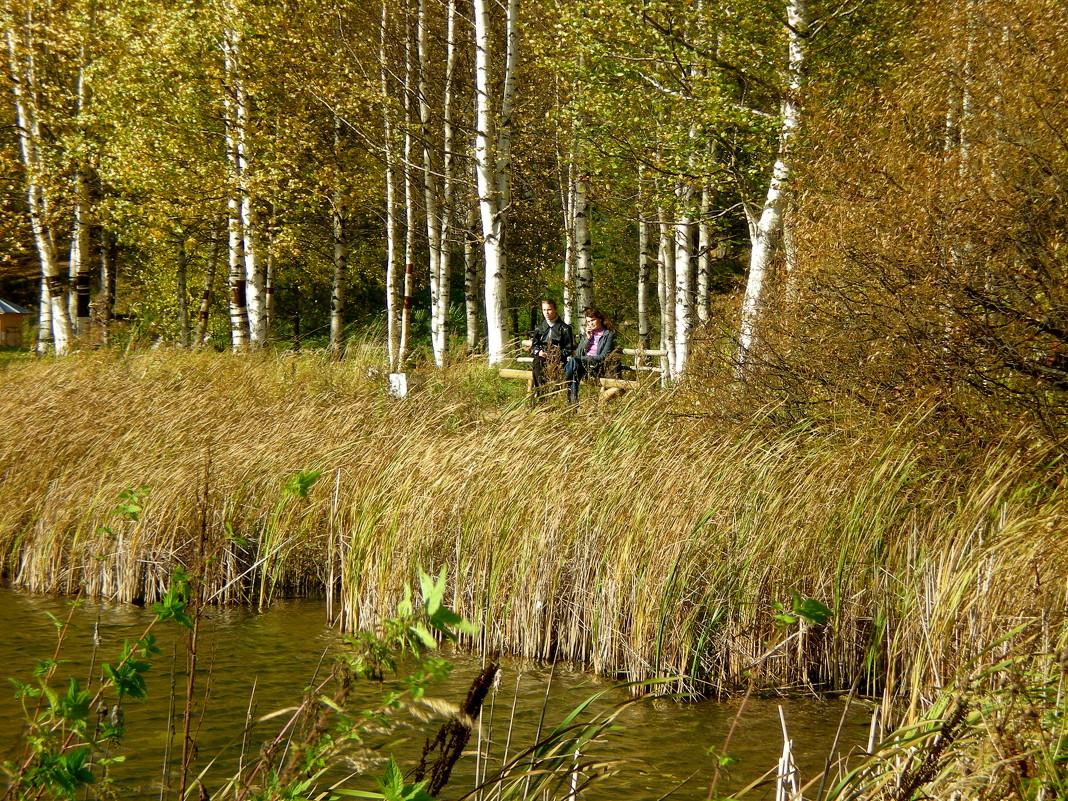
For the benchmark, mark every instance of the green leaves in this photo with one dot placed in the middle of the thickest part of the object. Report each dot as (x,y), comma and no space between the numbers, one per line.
(131,504)
(809,610)
(63,773)
(129,675)
(300,483)
(446,622)
(72,707)
(173,605)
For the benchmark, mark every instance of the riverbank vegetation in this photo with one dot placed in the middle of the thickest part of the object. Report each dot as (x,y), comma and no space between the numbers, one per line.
(642,538)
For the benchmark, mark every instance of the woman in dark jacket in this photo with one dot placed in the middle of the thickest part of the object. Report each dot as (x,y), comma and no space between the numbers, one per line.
(594,347)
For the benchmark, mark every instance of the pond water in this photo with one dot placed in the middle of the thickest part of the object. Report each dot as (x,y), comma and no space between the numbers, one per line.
(659,746)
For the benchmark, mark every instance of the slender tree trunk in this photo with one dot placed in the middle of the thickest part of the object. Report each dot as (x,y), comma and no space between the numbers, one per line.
(238,112)
(181,281)
(108,269)
(643,267)
(206,290)
(409,191)
(492,202)
(683,276)
(79,241)
(448,182)
(255,269)
(341,255)
(566,170)
(79,257)
(583,269)
(471,282)
(766,229)
(666,287)
(392,304)
(431,196)
(704,257)
(239,323)
(56,291)
(268,285)
(44,320)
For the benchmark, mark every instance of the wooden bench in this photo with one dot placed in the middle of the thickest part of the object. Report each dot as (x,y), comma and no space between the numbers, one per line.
(639,355)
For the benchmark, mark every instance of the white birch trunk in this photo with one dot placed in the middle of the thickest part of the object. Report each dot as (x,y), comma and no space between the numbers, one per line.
(55,293)
(108,269)
(341,255)
(683,277)
(255,269)
(583,270)
(392,304)
(643,268)
(79,240)
(409,195)
(665,286)
(704,257)
(239,323)
(567,206)
(491,210)
(268,285)
(448,186)
(79,256)
(431,195)
(471,250)
(337,285)
(236,278)
(765,229)
(44,320)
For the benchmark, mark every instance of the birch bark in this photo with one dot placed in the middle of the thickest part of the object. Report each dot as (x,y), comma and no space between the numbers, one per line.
(55,292)
(683,276)
(765,229)
(392,330)
(79,240)
(665,286)
(583,269)
(704,257)
(341,255)
(239,321)
(643,267)
(492,165)
(431,188)
(567,207)
(448,186)
(409,193)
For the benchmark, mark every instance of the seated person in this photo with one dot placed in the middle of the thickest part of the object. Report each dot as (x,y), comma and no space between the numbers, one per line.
(552,342)
(593,350)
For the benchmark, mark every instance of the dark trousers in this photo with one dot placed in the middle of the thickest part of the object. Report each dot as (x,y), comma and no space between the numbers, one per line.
(547,369)
(575,370)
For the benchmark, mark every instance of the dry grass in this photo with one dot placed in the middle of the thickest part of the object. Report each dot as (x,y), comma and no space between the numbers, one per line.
(627,537)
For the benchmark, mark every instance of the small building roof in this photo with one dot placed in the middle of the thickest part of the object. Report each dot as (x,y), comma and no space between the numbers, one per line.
(10,308)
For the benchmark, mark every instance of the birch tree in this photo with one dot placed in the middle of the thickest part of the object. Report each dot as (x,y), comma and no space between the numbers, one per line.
(390,169)
(21,34)
(765,226)
(492,157)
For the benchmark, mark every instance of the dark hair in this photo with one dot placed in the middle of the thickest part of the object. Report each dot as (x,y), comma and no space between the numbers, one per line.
(595,313)
(550,301)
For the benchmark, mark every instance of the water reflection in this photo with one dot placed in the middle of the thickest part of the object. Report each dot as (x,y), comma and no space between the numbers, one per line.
(281,651)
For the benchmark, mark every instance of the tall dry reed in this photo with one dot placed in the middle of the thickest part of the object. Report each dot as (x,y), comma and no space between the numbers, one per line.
(640,541)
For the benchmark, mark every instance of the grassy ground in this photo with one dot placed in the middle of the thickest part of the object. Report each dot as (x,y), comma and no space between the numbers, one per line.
(639,537)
